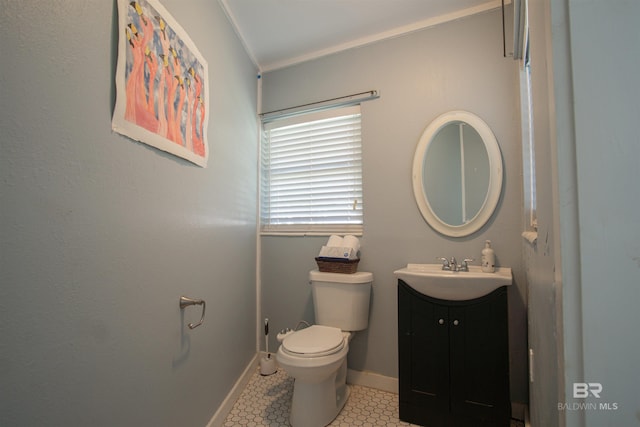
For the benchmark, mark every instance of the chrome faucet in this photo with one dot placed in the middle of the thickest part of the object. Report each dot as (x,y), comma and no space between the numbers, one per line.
(445,263)
(452,264)
(465,264)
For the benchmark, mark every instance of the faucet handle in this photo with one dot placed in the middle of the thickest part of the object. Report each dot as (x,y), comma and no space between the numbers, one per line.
(445,263)
(465,263)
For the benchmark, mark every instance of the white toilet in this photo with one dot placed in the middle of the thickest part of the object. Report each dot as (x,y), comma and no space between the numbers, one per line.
(316,357)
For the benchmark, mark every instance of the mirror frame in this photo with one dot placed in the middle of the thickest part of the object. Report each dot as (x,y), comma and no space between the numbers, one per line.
(494,189)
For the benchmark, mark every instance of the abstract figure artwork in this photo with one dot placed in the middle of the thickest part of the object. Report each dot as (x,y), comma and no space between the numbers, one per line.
(161,83)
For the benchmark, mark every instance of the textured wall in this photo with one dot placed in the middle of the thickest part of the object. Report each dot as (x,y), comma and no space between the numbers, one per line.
(541,261)
(457,65)
(101,235)
(583,274)
(607,150)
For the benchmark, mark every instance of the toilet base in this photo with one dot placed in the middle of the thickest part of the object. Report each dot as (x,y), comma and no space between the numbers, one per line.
(317,404)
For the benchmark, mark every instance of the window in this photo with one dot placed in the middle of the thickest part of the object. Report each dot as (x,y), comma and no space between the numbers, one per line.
(528,147)
(312,174)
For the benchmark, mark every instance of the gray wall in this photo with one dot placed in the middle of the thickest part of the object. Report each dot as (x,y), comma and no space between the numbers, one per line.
(607,154)
(543,260)
(101,235)
(457,65)
(589,299)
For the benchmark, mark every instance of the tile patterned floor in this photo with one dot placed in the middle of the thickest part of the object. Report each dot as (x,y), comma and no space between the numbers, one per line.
(265,401)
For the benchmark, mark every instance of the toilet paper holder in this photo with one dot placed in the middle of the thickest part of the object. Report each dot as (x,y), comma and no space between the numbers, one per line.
(186,302)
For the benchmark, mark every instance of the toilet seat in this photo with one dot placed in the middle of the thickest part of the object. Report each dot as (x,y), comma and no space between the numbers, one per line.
(314,341)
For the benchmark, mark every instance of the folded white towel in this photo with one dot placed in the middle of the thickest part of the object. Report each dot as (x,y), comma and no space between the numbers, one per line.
(338,252)
(335,241)
(352,242)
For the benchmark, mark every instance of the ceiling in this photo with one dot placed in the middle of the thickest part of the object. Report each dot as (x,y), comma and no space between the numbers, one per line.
(278,33)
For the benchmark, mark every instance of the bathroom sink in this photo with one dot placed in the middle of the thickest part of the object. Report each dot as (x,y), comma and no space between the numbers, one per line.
(433,281)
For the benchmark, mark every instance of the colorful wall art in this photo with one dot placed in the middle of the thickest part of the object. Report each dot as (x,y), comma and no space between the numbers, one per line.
(161,82)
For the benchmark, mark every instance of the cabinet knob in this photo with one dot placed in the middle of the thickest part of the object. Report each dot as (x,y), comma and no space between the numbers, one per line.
(456,322)
(441,322)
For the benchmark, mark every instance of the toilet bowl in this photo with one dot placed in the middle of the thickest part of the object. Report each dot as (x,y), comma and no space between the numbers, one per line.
(316,357)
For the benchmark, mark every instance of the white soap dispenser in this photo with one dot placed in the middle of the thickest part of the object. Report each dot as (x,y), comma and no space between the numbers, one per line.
(488,258)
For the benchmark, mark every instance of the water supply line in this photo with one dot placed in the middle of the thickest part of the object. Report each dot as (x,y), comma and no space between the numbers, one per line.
(302,322)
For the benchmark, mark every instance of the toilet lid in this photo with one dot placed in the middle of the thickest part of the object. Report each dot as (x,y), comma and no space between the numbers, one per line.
(315,340)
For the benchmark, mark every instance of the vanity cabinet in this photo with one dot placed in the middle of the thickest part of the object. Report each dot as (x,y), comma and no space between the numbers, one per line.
(453,360)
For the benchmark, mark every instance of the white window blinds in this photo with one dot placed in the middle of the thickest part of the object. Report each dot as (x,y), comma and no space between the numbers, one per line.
(312,174)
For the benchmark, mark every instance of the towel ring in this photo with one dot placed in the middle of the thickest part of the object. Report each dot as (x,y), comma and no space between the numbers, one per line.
(186,302)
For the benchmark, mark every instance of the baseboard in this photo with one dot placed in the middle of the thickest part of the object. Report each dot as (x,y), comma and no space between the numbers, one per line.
(227,404)
(373,380)
(518,410)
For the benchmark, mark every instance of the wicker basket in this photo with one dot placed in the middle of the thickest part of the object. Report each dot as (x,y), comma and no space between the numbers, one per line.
(337,265)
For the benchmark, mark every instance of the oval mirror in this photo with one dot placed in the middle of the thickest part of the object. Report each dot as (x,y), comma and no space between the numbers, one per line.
(457,173)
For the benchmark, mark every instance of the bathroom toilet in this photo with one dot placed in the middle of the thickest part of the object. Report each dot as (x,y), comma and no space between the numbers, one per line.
(316,357)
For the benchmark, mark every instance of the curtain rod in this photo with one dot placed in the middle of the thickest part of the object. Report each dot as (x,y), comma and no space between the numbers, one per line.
(373,94)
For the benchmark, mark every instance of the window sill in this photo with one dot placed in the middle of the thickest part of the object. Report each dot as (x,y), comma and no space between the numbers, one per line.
(312,230)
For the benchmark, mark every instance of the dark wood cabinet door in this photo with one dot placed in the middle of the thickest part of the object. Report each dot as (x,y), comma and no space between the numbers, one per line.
(453,360)
(479,362)
(423,347)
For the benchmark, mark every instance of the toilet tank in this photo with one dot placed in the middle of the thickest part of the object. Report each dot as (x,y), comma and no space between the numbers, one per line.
(341,300)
